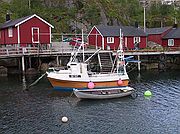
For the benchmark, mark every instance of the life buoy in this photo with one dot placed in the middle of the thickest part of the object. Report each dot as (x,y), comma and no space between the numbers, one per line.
(162,66)
(162,57)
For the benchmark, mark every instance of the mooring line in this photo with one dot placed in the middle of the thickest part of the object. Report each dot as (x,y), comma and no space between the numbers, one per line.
(32,84)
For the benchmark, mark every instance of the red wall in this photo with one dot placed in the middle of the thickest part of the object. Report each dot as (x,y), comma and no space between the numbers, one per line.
(26,31)
(93,38)
(115,45)
(130,42)
(143,43)
(1,37)
(157,38)
(176,43)
(8,40)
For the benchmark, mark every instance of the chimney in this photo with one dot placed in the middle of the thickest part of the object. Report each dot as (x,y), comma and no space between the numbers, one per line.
(8,17)
(136,24)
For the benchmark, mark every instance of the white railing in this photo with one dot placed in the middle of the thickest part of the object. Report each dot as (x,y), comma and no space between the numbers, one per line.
(19,51)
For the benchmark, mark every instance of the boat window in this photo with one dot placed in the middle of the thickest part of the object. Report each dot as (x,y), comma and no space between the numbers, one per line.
(50,70)
(68,66)
(56,69)
(74,76)
(73,64)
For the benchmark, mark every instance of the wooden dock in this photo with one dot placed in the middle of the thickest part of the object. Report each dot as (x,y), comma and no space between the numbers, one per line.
(22,53)
(35,51)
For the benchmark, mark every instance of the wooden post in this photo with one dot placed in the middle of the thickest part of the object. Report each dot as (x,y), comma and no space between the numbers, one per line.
(139,64)
(23,64)
(30,66)
(60,62)
(57,60)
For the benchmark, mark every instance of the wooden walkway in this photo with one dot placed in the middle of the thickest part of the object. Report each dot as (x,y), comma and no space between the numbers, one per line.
(34,51)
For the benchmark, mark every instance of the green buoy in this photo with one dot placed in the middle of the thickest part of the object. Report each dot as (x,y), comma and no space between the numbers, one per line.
(147,93)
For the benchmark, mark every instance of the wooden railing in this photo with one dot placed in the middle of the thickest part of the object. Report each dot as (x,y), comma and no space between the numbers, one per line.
(20,51)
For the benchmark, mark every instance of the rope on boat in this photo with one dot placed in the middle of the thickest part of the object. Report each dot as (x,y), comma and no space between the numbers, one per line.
(32,84)
(131,70)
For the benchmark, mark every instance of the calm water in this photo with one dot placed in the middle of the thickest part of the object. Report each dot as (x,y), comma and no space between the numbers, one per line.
(39,110)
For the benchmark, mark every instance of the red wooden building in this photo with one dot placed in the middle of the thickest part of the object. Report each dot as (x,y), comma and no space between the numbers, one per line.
(172,38)
(107,37)
(156,34)
(26,31)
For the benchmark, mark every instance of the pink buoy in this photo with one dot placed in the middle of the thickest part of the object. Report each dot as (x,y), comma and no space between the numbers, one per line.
(90,85)
(120,82)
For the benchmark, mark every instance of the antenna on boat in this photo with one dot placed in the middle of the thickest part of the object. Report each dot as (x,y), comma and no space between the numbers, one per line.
(120,40)
(83,45)
(74,54)
(120,54)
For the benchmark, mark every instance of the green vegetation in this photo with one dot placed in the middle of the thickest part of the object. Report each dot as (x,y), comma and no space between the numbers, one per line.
(68,15)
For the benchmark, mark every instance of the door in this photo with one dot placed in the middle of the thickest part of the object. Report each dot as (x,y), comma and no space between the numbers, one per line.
(35,35)
(136,42)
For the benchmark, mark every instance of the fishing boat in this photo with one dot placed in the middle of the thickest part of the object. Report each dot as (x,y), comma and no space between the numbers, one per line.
(107,93)
(78,76)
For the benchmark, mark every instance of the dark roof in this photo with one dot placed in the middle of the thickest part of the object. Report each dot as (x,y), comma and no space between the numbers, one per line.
(12,23)
(173,34)
(157,30)
(115,30)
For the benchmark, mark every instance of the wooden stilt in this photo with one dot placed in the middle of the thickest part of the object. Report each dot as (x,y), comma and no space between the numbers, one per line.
(57,60)
(60,62)
(23,64)
(30,66)
(139,63)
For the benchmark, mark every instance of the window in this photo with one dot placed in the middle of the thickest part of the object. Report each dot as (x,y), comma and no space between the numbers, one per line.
(170,42)
(10,32)
(110,39)
(35,35)
(137,39)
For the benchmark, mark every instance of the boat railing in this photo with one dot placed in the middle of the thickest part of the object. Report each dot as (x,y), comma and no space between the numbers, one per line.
(97,74)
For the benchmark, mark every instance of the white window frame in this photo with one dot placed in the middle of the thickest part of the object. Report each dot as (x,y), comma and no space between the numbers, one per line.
(33,34)
(170,42)
(10,32)
(110,39)
(137,39)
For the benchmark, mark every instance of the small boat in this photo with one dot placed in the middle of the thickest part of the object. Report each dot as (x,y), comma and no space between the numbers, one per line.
(105,93)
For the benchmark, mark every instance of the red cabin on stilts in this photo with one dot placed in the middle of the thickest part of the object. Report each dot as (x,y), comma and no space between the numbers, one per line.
(26,31)
(107,37)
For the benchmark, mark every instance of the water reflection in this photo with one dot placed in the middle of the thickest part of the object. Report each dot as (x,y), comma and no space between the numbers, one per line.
(24,82)
(39,110)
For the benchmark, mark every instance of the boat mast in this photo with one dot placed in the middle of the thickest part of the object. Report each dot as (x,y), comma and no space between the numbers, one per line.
(74,54)
(120,40)
(83,45)
(120,53)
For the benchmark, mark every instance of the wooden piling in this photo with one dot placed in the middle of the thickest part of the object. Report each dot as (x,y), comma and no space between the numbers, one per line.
(139,63)
(23,64)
